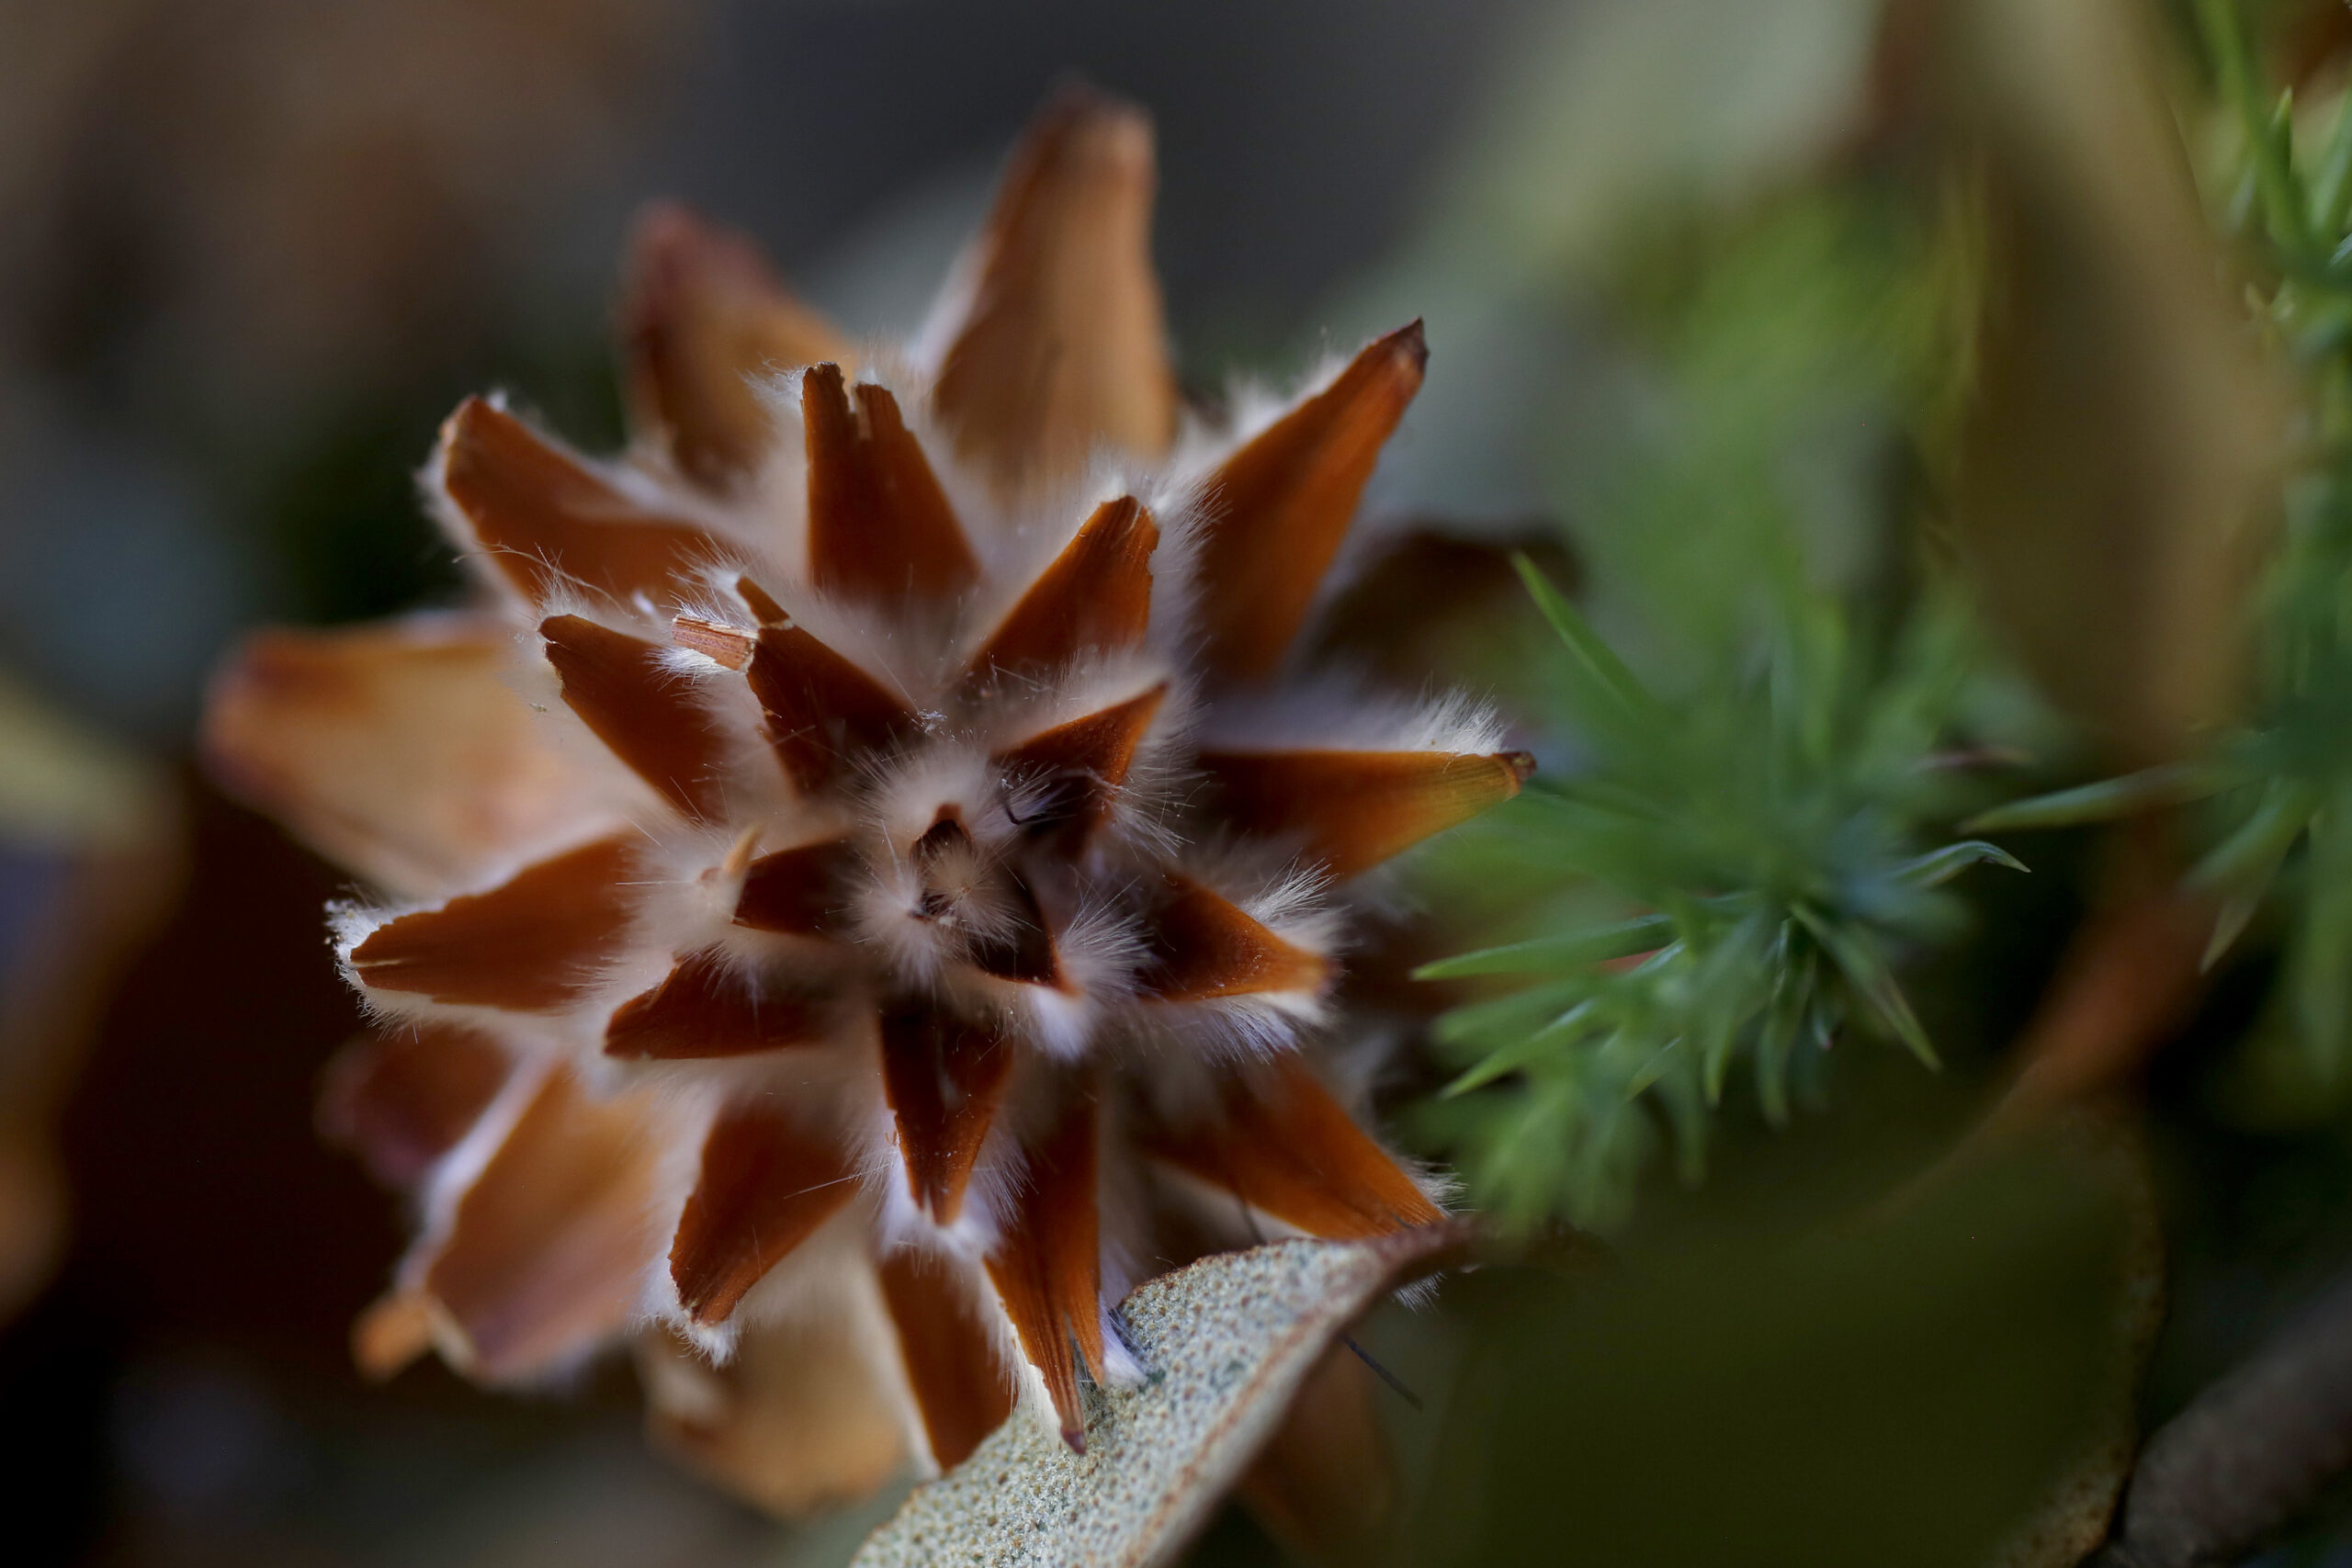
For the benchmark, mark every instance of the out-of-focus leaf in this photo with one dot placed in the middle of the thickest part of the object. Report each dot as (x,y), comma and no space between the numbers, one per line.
(2123,432)
(1547,954)
(2171,784)
(1866,970)
(1225,1344)
(1938,866)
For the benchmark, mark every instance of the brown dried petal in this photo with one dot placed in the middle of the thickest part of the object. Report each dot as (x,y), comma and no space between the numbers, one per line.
(822,709)
(534,943)
(1277,511)
(626,693)
(1047,1267)
(1285,1147)
(546,523)
(703,315)
(1201,945)
(943,1078)
(396,750)
(951,1360)
(1094,598)
(1064,346)
(765,1187)
(546,1249)
(1355,809)
(880,526)
(796,891)
(708,1008)
(401,1096)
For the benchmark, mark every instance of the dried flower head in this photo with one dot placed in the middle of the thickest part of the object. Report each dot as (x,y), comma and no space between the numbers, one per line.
(864,892)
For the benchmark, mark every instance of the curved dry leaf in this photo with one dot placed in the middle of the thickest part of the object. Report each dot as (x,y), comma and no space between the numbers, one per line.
(1228,1343)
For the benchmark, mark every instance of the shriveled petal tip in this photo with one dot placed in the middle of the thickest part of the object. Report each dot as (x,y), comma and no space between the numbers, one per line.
(1354,809)
(701,315)
(1094,598)
(705,1007)
(396,750)
(1277,511)
(1064,348)
(962,1390)
(943,1078)
(1285,1147)
(880,526)
(534,943)
(765,1187)
(1201,945)
(822,710)
(402,1097)
(628,696)
(544,1255)
(1047,1266)
(545,524)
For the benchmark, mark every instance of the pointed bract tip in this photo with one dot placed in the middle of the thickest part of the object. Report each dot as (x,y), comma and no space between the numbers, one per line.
(1075,1437)
(1410,342)
(1081,116)
(1523,764)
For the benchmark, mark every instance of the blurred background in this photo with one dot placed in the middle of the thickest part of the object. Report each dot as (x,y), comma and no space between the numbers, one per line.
(253,251)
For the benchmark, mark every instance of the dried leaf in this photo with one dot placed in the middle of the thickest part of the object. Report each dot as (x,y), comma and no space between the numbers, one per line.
(1228,1342)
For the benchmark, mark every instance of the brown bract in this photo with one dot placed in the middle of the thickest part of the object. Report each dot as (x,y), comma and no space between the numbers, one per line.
(869,887)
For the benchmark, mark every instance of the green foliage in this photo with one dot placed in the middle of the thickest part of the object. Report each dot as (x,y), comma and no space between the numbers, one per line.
(1742,847)
(2275,794)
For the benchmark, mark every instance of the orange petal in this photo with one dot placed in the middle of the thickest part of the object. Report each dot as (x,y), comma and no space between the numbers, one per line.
(533,943)
(1355,809)
(707,1008)
(641,709)
(943,1078)
(395,750)
(822,709)
(401,1098)
(800,1417)
(951,1359)
(765,1188)
(880,526)
(1284,1147)
(701,315)
(796,891)
(1201,945)
(548,524)
(1047,1267)
(1094,598)
(1085,759)
(1278,509)
(1064,346)
(547,1247)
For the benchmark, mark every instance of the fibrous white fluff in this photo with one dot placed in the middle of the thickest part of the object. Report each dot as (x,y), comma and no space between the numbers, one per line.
(934,878)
